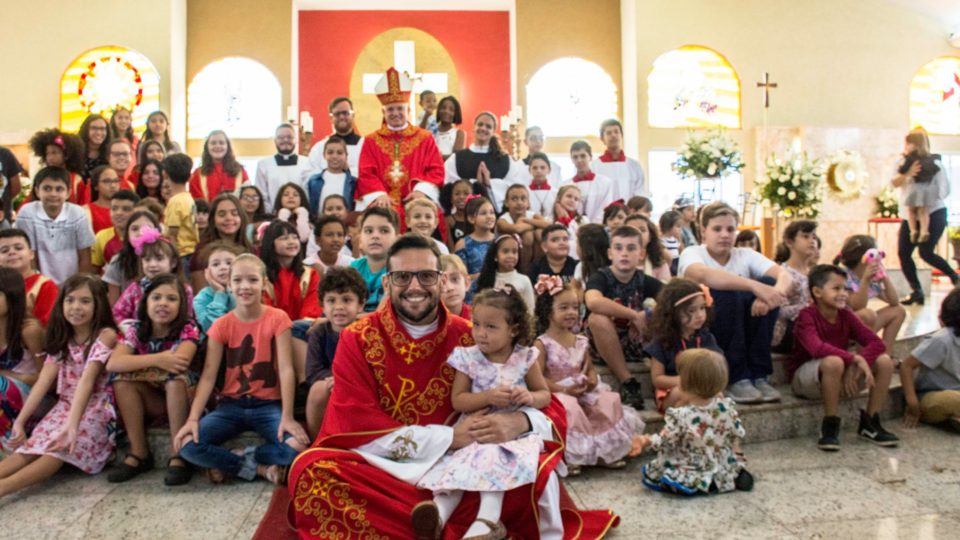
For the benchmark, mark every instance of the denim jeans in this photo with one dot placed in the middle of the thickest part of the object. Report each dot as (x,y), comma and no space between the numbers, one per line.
(745,339)
(231,418)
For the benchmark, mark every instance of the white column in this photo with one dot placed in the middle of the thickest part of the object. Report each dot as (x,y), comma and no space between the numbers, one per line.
(630,81)
(178,72)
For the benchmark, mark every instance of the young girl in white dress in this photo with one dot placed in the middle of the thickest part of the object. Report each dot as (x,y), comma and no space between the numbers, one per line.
(698,449)
(599,429)
(499,373)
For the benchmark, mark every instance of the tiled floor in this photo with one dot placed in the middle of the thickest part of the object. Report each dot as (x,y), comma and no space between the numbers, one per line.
(801,493)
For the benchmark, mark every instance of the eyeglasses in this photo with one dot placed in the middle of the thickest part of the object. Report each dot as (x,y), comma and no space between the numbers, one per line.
(341,113)
(402,278)
(251,198)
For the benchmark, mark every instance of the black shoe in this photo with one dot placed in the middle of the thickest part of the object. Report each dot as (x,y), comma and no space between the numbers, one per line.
(177,475)
(829,434)
(744,481)
(871,430)
(916,297)
(631,393)
(125,471)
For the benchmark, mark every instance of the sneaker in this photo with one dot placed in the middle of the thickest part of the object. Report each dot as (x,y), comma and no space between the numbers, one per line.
(871,430)
(769,393)
(744,392)
(829,434)
(631,393)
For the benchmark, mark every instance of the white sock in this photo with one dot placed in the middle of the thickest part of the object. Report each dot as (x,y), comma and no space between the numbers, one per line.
(446,503)
(491,503)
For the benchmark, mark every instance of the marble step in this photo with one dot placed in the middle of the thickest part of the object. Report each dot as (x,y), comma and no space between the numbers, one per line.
(641,370)
(795,417)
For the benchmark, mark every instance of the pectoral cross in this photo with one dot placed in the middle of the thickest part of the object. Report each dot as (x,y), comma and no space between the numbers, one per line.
(766,85)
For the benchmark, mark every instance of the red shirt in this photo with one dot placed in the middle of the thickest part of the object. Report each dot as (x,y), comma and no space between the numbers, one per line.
(99,217)
(289,295)
(209,186)
(42,295)
(816,337)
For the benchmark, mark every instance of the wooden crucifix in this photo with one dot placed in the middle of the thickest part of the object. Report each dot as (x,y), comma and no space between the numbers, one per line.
(766,85)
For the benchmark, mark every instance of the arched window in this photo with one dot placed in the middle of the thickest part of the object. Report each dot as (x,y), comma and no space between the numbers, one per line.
(570,97)
(693,87)
(102,79)
(935,96)
(238,95)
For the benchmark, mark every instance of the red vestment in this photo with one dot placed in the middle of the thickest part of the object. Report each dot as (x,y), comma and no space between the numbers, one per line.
(207,187)
(386,380)
(417,155)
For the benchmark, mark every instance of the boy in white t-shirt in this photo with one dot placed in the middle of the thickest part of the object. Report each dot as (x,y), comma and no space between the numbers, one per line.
(59,231)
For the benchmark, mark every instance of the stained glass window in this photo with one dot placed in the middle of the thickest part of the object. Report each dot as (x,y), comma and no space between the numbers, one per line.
(102,79)
(570,97)
(935,96)
(238,95)
(693,87)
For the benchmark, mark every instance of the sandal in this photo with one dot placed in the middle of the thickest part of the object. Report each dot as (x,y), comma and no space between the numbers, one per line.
(275,474)
(497,531)
(619,464)
(573,470)
(124,471)
(177,475)
(425,519)
(216,476)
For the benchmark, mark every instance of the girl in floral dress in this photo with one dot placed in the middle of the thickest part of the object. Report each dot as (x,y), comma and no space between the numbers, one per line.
(599,429)
(698,447)
(157,256)
(499,373)
(79,429)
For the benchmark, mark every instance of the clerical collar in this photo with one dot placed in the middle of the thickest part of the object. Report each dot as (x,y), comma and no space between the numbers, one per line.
(285,160)
(391,128)
(418,331)
(351,138)
(476,148)
(607,157)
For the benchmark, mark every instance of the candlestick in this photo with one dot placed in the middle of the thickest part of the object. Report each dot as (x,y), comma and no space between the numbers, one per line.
(291,114)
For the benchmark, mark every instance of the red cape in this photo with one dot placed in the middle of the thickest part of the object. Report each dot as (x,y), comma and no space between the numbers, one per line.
(386,380)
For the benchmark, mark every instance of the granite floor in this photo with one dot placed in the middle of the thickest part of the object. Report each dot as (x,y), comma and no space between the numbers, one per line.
(861,492)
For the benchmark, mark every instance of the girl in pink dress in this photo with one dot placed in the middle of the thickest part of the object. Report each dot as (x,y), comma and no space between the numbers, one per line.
(599,429)
(499,373)
(79,429)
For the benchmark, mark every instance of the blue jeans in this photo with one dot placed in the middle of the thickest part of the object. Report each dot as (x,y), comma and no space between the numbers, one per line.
(745,339)
(232,417)
(300,328)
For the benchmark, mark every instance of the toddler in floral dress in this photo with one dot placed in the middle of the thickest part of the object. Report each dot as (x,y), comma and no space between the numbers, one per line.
(499,373)
(80,428)
(600,429)
(698,449)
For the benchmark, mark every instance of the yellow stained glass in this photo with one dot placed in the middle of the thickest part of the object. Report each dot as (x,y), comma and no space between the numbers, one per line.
(693,87)
(935,96)
(101,79)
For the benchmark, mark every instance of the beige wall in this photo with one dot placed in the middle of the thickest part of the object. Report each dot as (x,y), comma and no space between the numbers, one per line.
(839,63)
(257,29)
(548,29)
(41,38)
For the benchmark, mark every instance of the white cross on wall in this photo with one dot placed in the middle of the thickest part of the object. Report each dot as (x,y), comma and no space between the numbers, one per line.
(404,60)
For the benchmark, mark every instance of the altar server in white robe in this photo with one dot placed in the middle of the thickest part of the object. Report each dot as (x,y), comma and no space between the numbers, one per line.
(535,139)
(281,168)
(596,190)
(485,162)
(626,173)
(341,118)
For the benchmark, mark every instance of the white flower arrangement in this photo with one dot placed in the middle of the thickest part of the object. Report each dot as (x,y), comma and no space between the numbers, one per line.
(793,186)
(708,154)
(887,204)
